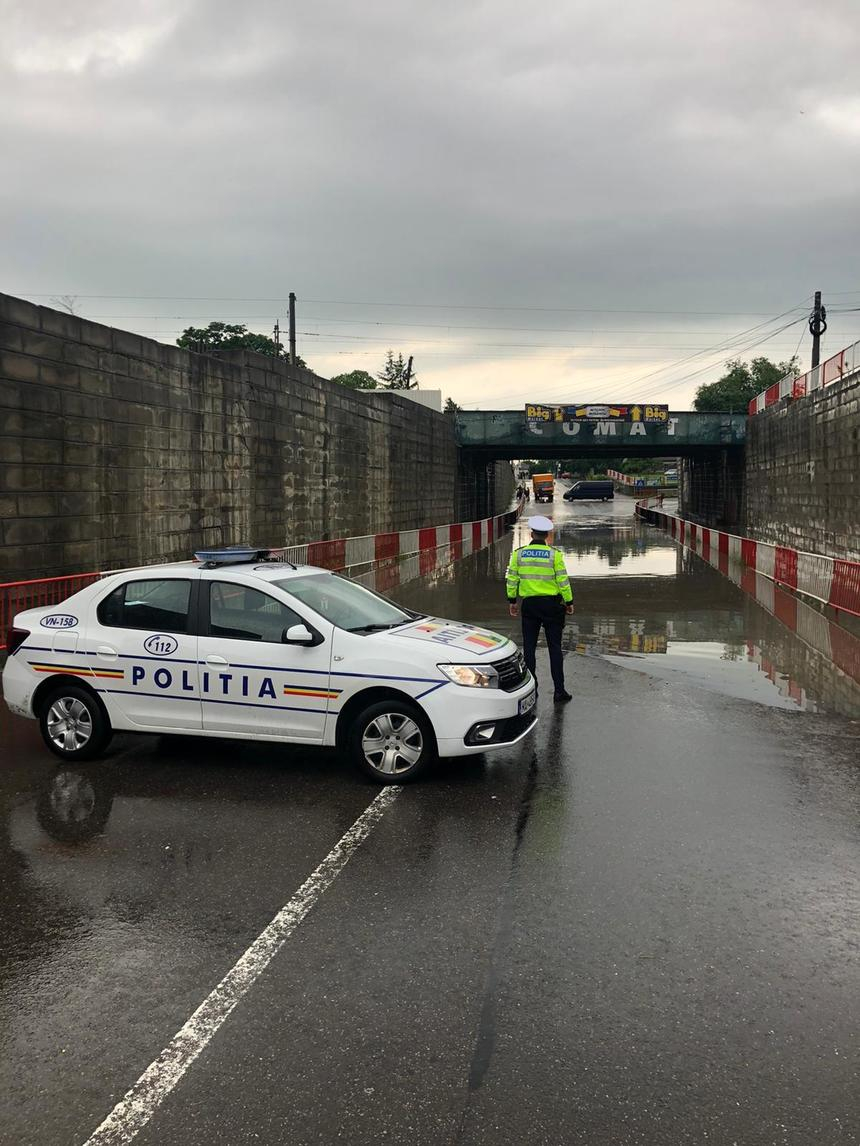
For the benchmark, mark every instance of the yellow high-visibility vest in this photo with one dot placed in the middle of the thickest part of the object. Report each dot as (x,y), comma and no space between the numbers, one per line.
(537,570)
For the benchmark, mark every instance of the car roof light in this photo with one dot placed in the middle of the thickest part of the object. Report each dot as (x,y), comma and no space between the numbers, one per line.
(231,555)
(240,555)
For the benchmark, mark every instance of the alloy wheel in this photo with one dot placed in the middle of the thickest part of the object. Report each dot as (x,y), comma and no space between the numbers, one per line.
(70,723)
(392,743)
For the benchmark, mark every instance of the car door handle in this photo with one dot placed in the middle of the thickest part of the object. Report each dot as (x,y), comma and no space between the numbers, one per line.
(107,652)
(216,660)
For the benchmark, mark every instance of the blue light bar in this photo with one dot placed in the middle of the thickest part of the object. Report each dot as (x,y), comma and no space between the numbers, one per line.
(231,555)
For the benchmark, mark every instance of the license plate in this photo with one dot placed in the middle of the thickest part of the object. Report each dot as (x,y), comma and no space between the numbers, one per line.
(527,703)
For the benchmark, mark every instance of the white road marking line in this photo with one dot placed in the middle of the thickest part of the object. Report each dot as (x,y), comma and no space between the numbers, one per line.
(132,1112)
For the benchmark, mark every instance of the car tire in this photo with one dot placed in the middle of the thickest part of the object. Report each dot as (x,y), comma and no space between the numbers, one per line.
(392,741)
(74,723)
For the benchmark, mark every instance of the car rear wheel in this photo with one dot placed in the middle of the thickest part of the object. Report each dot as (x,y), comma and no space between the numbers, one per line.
(392,742)
(74,725)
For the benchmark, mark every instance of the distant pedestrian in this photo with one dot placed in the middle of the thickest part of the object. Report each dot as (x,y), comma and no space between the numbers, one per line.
(537,575)
(660,496)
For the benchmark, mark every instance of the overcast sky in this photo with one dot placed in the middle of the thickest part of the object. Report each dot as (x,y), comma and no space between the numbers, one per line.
(563,200)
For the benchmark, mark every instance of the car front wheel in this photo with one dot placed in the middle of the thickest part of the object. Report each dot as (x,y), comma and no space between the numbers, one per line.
(392,742)
(74,725)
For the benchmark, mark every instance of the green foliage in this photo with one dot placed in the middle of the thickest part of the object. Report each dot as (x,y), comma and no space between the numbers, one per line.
(635,466)
(356,380)
(451,406)
(393,374)
(231,336)
(740,383)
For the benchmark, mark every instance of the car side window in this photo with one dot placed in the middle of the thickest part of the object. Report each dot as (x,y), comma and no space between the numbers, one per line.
(151,604)
(246,614)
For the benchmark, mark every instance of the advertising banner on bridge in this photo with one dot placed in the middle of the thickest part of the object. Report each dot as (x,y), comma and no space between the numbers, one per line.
(539,414)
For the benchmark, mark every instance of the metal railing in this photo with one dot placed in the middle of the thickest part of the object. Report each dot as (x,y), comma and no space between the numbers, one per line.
(840,365)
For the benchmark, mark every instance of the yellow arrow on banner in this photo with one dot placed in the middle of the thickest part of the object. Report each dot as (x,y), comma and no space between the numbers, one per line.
(636,414)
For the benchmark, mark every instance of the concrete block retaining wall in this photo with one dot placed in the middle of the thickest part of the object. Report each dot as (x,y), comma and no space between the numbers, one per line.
(118,450)
(803,472)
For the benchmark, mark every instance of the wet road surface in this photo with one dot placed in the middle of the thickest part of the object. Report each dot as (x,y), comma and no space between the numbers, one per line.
(638,926)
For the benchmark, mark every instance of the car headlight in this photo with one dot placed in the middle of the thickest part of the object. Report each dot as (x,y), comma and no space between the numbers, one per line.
(471,676)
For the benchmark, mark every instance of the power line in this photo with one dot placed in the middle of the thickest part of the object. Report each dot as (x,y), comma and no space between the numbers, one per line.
(413,325)
(410,305)
(704,369)
(726,346)
(735,345)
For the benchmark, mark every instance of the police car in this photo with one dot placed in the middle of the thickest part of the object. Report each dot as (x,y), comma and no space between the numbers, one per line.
(243,644)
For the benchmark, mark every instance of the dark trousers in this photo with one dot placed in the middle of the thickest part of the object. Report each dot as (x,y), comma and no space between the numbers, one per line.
(549,612)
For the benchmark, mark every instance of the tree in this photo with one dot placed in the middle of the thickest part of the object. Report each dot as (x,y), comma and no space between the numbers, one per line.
(66,302)
(356,380)
(393,374)
(741,383)
(231,336)
(451,406)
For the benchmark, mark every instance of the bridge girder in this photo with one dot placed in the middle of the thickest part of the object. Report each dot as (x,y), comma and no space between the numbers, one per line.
(506,434)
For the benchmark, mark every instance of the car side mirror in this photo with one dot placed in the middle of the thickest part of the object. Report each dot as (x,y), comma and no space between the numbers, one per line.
(301,635)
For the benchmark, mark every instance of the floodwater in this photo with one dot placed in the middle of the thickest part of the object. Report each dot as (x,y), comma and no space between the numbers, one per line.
(645,603)
(637,925)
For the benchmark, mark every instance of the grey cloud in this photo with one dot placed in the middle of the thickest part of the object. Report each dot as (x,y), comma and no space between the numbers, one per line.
(672,155)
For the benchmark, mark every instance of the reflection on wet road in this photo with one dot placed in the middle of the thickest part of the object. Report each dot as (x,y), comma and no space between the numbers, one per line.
(667,612)
(638,926)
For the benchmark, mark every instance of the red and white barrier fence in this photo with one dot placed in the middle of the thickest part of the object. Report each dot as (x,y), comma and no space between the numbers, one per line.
(385,550)
(836,644)
(830,580)
(840,365)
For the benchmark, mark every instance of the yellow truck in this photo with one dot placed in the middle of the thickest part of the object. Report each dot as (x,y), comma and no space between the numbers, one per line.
(543,486)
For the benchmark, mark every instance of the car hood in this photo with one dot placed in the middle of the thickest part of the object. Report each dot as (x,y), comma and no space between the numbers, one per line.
(453,636)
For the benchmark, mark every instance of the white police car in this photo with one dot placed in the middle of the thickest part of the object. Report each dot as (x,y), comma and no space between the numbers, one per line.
(240,645)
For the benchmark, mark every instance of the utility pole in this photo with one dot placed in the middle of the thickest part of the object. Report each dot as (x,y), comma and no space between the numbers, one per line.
(276,335)
(408,371)
(817,326)
(292,328)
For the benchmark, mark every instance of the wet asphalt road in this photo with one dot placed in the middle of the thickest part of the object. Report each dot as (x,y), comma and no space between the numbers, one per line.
(638,926)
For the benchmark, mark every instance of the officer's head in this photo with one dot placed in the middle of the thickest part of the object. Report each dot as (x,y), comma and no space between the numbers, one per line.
(541,528)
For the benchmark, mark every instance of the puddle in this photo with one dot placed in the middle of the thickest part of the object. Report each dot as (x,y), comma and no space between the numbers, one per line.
(717,668)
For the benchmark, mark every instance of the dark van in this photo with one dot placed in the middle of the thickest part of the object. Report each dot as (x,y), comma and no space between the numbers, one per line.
(591,491)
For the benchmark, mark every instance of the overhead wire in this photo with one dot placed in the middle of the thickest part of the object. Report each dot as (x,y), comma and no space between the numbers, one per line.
(399,304)
(614,387)
(409,325)
(719,349)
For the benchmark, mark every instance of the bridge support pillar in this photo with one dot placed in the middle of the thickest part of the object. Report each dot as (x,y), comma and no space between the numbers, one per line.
(483,488)
(711,489)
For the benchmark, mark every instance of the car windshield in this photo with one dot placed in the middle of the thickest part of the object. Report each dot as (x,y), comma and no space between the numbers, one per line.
(345,603)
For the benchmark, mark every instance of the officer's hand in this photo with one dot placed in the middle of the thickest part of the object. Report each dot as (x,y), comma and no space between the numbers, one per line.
(568,609)
(514,609)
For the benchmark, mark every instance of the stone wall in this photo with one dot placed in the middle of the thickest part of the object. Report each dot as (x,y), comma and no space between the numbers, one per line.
(803,472)
(117,450)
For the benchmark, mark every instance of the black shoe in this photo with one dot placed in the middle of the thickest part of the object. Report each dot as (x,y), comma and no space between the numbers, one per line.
(562,697)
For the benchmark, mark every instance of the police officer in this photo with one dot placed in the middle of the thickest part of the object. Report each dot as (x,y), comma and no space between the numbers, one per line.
(537,575)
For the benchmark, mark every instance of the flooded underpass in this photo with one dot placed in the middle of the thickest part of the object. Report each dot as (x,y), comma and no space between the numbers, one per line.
(639,925)
(656,607)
